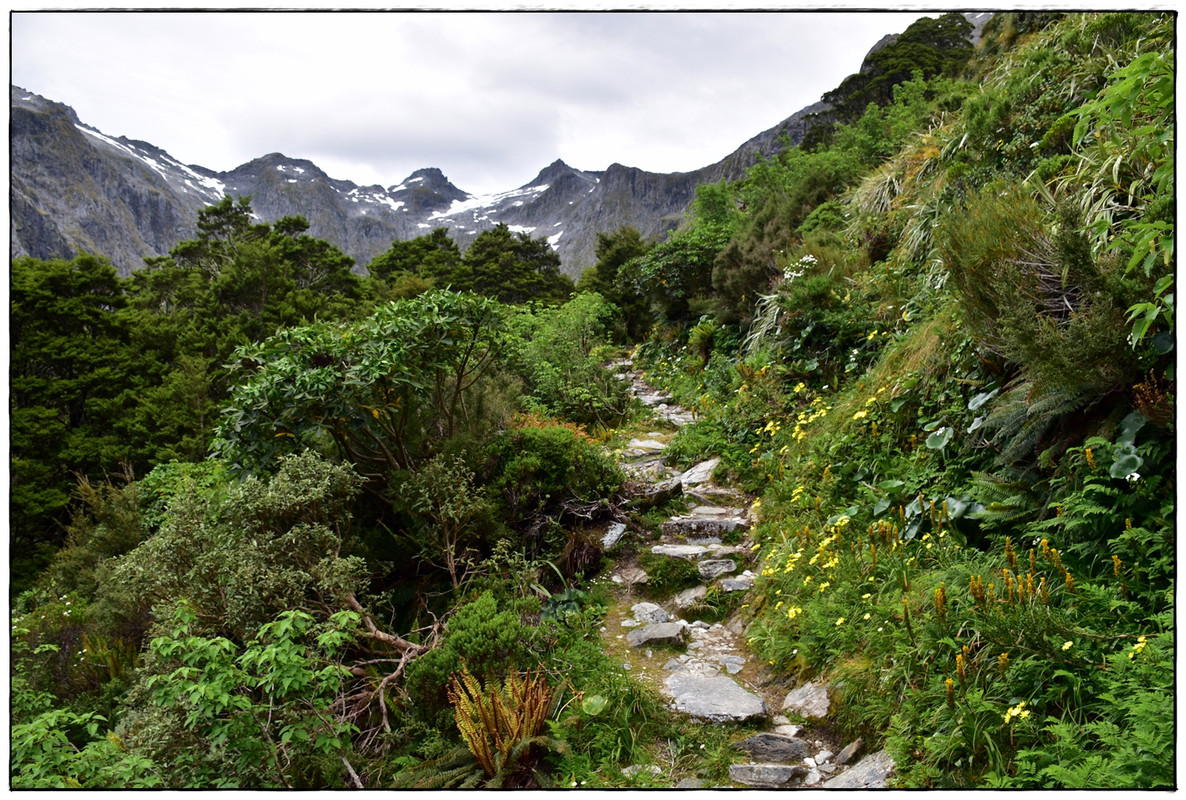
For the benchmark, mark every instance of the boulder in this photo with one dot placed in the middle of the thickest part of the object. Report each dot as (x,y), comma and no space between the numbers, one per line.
(630,576)
(742,583)
(701,473)
(656,633)
(690,597)
(850,752)
(773,747)
(690,783)
(767,776)
(715,698)
(649,612)
(657,494)
(809,700)
(871,772)
(715,567)
(613,535)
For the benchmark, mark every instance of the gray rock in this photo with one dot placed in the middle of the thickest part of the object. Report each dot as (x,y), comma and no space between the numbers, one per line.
(635,769)
(701,473)
(656,633)
(690,783)
(613,535)
(768,776)
(827,769)
(646,445)
(649,612)
(690,597)
(871,772)
(630,576)
(658,494)
(809,700)
(695,526)
(742,583)
(773,747)
(788,730)
(716,567)
(822,756)
(814,776)
(850,752)
(732,664)
(717,698)
(690,552)
(711,511)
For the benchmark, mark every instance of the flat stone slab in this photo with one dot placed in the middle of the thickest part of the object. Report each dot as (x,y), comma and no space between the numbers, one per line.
(692,525)
(871,772)
(715,698)
(809,700)
(689,552)
(650,445)
(716,567)
(768,776)
(701,473)
(773,747)
(656,633)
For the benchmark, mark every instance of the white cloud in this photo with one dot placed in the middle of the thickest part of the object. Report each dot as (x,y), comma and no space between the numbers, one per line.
(490,98)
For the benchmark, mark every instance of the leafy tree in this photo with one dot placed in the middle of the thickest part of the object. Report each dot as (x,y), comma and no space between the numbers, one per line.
(613,251)
(380,391)
(512,267)
(70,364)
(434,256)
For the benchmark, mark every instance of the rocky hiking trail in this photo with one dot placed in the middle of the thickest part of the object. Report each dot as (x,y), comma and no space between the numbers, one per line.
(704,669)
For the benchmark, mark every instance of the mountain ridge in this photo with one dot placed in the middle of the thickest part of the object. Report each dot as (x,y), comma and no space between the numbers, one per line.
(74,188)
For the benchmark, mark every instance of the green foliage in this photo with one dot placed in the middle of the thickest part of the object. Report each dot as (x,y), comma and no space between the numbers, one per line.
(483,636)
(69,371)
(434,256)
(382,392)
(613,251)
(555,350)
(268,545)
(512,267)
(257,715)
(929,47)
(1037,297)
(544,476)
(454,515)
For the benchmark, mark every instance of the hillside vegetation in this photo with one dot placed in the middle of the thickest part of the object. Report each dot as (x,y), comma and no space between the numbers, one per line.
(275,525)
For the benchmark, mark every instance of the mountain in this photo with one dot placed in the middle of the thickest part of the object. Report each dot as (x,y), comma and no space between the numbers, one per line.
(75,188)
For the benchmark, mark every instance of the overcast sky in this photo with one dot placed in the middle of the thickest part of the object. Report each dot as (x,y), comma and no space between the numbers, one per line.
(490,98)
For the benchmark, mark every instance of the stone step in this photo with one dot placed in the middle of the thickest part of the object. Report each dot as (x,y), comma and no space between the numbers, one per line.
(716,698)
(773,747)
(671,633)
(871,772)
(701,525)
(766,776)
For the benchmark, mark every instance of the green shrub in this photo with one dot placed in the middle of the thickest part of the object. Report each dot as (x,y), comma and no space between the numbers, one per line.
(486,637)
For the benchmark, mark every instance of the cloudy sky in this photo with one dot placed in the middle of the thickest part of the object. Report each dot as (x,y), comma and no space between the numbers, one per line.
(489,97)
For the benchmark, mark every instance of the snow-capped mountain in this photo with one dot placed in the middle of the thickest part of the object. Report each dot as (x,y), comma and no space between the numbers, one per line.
(76,188)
